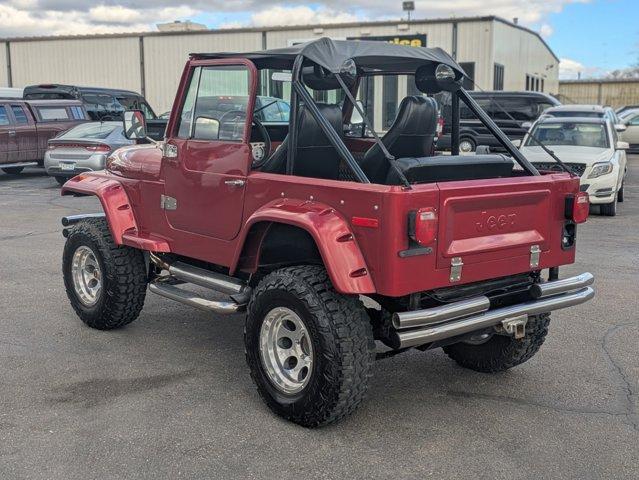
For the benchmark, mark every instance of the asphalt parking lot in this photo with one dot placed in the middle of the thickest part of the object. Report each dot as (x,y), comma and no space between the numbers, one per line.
(170,395)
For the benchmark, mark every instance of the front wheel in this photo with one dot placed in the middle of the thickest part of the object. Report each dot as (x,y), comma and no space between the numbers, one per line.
(609,209)
(13,170)
(310,350)
(467,145)
(105,283)
(501,352)
(620,194)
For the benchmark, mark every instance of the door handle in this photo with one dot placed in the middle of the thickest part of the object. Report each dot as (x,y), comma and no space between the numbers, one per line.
(235,183)
(12,133)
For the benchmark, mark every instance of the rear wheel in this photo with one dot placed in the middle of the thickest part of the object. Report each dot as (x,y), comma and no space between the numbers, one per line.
(105,283)
(501,352)
(310,350)
(609,209)
(467,145)
(13,170)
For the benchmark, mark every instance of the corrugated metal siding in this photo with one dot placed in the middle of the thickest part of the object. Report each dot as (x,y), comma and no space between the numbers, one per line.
(105,62)
(474,44)
(523,53)
(615,94)
(438,35)
(4,81)
(165,56)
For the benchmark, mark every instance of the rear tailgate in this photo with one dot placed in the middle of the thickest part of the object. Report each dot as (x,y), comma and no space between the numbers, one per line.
(483,223)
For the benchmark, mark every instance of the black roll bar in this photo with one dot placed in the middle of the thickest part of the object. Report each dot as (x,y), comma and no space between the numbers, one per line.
(494,129)
(454,128)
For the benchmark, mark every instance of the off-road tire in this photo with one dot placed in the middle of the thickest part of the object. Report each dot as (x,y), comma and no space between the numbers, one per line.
(342,341)
(620,194)
(61,180)
(608,209)
(124,276)
(13,170)
(502,352)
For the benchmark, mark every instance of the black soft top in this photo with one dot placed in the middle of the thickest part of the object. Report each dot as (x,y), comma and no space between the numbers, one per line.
(370,56)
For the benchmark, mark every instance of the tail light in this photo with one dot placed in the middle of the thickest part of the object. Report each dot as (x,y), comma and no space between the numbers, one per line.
(440,127)
(422,225)
(578,207)
(91,147)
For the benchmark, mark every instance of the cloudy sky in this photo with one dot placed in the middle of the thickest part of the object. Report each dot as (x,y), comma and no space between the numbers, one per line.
(590,36)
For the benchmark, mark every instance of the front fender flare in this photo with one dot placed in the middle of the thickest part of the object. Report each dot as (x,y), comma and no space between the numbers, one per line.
(117,209)
(332,234)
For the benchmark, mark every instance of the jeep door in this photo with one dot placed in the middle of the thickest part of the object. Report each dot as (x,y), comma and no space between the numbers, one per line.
(207,154)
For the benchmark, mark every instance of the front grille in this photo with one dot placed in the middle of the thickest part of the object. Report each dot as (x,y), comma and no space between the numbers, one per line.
(577,168)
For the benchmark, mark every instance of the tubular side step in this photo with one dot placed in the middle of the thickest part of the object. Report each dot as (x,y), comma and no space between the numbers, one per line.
(207,279)
(193,300)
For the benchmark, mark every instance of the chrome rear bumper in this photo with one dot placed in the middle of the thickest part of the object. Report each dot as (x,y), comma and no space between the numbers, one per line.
(470,315)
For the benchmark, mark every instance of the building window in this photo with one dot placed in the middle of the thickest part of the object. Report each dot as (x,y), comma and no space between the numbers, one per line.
(498,77)
(411,88)
(389,100)
(542,85)
(527,83)
(469,68)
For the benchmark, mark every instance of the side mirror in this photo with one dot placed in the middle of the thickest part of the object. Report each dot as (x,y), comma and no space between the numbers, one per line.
(622,146)
(526,125)
(206,128)
(517,143)
(620,127)
(134,125)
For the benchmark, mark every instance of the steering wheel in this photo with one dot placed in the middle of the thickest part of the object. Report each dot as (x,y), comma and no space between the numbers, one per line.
(259,159)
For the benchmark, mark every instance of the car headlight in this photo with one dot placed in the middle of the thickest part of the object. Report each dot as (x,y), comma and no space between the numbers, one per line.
(599,169)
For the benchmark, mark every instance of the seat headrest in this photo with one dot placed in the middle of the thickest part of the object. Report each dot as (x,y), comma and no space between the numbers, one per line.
(416,115)
(310,134)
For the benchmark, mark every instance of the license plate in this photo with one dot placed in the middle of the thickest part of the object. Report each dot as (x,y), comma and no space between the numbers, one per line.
(66,167)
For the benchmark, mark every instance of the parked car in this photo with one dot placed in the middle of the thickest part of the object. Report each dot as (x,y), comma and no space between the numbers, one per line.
(102,103)
(27,126)
(502,107)
(449,249)
(83,148)
(586,111)
(592,150)
(630,119)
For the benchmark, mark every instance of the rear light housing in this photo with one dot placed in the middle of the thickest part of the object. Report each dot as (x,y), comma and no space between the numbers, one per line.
(422,225)
(578,207)
(91,147)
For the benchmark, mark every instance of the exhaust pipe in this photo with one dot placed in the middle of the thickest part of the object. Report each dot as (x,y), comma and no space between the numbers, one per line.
(431,316)
(548,289)
(413,338)
(193,300)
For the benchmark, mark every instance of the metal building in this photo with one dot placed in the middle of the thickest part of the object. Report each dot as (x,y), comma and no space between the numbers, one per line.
(497,54)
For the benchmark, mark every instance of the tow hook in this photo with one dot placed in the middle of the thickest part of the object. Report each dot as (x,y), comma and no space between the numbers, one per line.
(515,326)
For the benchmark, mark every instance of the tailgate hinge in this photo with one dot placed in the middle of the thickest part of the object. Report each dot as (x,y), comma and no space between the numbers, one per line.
(168,203)
(535,251)
(456,265)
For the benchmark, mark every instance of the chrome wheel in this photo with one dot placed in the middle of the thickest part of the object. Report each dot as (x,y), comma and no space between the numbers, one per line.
(285,350)
(87,277)
(465,146)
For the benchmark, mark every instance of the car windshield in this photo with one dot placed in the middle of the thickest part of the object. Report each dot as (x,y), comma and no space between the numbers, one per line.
(576,113)
(96,131)
(628,113)
(574,134)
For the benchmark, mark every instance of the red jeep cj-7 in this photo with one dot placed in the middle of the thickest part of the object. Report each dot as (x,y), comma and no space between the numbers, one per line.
(329,240)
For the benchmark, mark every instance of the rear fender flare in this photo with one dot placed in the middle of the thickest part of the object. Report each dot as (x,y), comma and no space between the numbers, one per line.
(114,200)
(331,232)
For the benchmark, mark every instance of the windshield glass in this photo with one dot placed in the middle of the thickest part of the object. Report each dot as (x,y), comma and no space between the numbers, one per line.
(576,113)
(97,131)
(574,134)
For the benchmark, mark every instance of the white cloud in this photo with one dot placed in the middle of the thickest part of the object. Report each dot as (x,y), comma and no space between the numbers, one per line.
(47,17)
(301,15)
(570,69)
